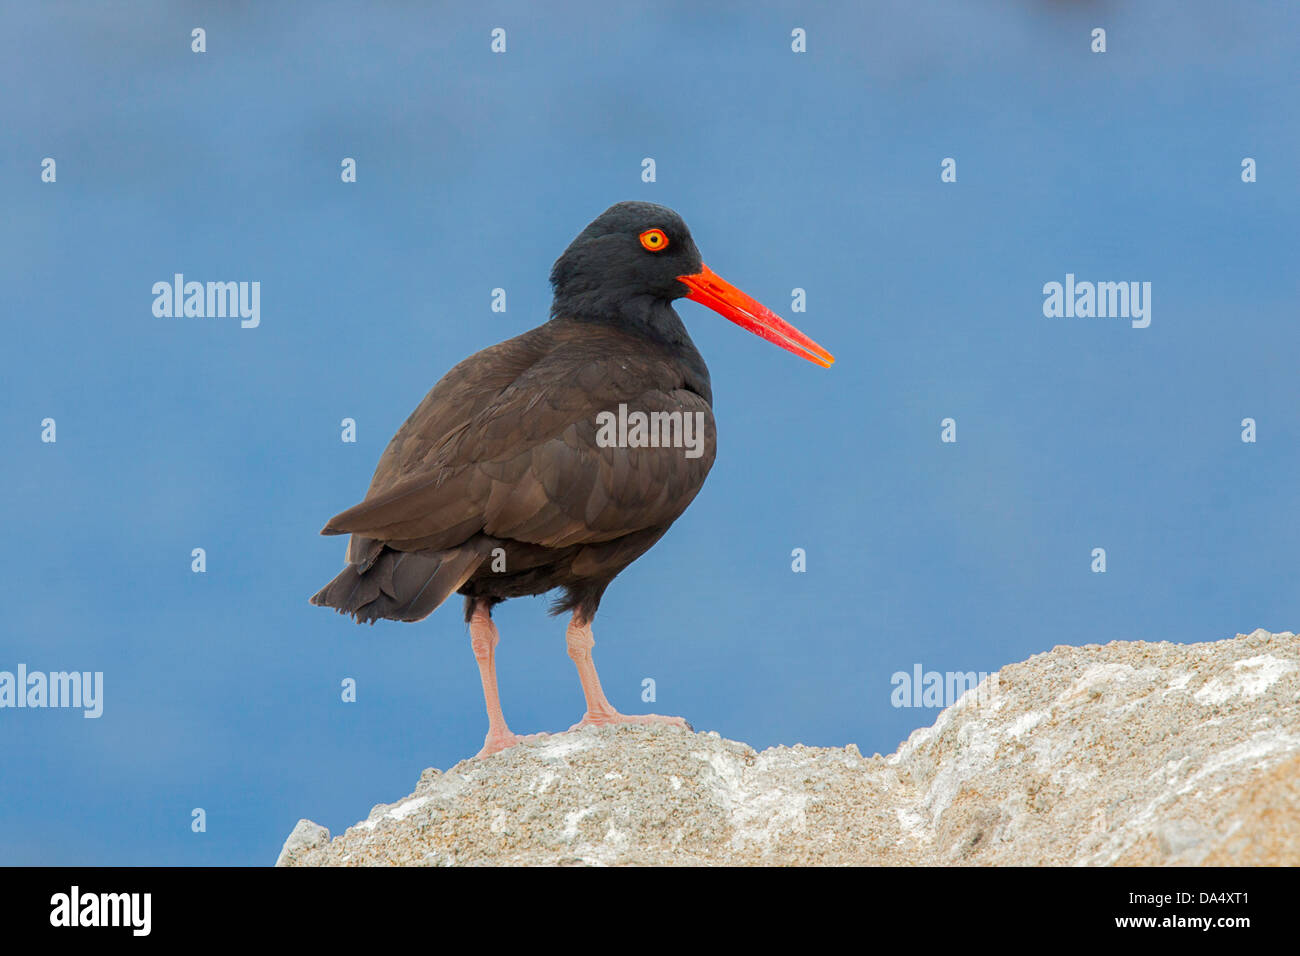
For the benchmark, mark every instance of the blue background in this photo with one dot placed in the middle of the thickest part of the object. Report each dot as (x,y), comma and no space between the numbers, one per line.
(819,171)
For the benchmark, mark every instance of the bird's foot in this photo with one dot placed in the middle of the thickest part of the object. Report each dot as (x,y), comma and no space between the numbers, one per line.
(609,718)
(497,741)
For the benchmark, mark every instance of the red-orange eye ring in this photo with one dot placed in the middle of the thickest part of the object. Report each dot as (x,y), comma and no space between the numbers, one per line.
(654,240)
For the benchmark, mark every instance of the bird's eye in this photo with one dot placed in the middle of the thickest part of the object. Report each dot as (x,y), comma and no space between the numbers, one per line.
(654,240)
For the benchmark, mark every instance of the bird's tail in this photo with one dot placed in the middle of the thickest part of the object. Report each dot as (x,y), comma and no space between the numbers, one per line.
(401,585)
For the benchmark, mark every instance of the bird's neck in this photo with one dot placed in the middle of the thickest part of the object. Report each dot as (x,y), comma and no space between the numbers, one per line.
(656,321)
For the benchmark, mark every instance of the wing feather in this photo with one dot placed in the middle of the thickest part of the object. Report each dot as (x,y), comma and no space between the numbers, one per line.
(506,445)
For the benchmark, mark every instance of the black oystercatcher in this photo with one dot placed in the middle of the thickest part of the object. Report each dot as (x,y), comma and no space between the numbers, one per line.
(557,458)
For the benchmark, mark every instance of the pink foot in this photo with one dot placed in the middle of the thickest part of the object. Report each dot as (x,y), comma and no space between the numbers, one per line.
(612,717)
(494,742)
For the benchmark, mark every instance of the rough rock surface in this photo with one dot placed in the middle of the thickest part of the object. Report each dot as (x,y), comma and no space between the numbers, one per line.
(1131,753)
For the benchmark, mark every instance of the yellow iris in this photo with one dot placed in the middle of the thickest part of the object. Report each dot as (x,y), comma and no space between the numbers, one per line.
(654,240)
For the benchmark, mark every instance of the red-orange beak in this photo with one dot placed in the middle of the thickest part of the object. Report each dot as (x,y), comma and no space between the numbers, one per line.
(728,301)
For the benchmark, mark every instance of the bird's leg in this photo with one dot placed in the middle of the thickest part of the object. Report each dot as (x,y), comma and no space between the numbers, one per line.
(599,710)
(483,637)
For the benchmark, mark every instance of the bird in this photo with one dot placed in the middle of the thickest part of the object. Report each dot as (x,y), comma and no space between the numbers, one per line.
(555,459)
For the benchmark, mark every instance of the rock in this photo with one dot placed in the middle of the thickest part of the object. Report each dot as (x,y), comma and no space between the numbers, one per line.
(305,836)
(1130,753)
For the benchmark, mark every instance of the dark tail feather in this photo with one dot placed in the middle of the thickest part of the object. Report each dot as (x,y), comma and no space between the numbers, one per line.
(401,585)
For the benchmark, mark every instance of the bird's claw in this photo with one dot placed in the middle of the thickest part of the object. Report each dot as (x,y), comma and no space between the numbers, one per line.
(496,742)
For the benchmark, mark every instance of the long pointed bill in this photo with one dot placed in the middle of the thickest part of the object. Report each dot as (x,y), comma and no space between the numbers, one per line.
(728,301)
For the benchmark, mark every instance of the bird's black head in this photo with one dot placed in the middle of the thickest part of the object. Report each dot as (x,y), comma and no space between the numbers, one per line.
(634,259)
(630,255)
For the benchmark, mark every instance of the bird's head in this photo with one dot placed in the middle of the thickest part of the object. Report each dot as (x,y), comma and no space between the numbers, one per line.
(643,251)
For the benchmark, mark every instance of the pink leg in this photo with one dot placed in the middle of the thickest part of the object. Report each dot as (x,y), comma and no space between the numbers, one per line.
(599,710)
(484,637)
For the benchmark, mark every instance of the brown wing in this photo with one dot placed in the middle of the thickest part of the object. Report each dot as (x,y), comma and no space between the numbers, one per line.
(521,460)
